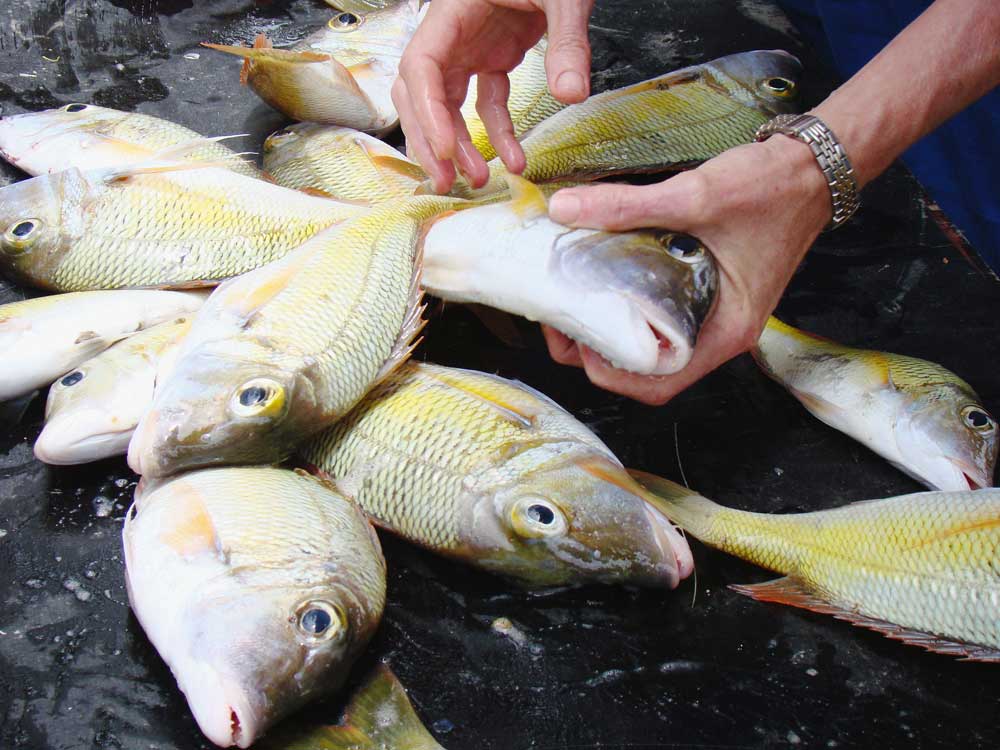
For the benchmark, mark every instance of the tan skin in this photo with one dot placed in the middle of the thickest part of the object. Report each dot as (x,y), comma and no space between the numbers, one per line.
(758,207)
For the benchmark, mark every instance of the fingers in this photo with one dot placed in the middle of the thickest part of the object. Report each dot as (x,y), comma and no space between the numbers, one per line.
(561,347)
(429,106)
(567,60)
(676,204)
(467,156)
(442,173)
(492,93)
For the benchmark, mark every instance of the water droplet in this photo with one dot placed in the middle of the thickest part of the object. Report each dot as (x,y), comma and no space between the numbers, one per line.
(34,583)
(442,726)
(192,56)
(793,738)
(812,672)
(103,506)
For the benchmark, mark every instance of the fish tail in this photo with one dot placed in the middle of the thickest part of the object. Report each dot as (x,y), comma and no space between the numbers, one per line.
(689,510)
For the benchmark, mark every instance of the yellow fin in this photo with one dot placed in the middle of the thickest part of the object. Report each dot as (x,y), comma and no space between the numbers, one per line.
(413,323)
(527,200)
(397,165)
(191,530)
(245,295)
(170,160)
(684,507)
(379,716)
(511,412)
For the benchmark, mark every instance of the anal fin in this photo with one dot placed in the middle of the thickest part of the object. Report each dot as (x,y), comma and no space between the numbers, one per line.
(794,593)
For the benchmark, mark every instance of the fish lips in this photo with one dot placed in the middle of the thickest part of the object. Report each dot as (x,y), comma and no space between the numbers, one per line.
(80,437)
(222,709)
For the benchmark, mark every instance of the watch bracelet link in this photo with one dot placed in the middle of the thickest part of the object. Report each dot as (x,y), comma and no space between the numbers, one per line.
(830,156)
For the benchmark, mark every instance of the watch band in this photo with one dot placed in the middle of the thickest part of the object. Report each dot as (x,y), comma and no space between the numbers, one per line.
(829,154)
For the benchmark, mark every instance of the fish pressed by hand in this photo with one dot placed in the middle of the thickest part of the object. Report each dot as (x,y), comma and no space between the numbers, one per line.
(676,120)
(283,351)
(378,717)
(637,298)
(162,224)
(86,136)
(528,104)
(918,568)
(342,163)
(259,587)
(92,412)
(43,338)
(341,74)
(492,473)
(922,418)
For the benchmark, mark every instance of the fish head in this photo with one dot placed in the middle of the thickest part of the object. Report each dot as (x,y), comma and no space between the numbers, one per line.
(946,438)
(575,519)
(249,634)
(83,417)
(357,37)
(668,280)
(39,142)
(39,220)
(217,410)
(298,140)
(767,78)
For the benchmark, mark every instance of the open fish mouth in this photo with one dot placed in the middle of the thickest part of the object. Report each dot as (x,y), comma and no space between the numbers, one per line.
(673,545)
(971,475)
(221,708)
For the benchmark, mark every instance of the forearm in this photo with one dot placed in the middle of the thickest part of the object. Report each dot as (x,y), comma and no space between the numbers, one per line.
(946,59)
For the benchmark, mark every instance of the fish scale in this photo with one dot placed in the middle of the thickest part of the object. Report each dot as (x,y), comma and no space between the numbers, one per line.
(422,438)
(920,567)
(198,225)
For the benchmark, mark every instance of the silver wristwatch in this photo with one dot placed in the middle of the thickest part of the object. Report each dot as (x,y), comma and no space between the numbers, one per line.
(829,153)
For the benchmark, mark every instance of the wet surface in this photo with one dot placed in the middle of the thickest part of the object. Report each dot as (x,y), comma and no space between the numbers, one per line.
(614,668)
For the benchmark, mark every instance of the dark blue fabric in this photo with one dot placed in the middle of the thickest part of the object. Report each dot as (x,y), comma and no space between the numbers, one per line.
(959,163)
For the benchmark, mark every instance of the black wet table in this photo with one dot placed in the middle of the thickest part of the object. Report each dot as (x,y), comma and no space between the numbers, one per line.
(593,667)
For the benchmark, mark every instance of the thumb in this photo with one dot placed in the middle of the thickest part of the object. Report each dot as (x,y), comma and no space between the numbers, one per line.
(567,60)
(674,204)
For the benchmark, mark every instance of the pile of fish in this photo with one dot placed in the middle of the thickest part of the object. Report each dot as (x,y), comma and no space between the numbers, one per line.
(245,336)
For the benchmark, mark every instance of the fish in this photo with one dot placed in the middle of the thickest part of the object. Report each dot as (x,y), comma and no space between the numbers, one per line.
(637,298)
(258,586)
(43,338)
(86,136)
(164,223)
(918,568)
(279,353)
(670,122)
(360,7)
(529,102)
(494,474)
(92,411)
(341,74)
(342,163)
(378,717)
(919,416)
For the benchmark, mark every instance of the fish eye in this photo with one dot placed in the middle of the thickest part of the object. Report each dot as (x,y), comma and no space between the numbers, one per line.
(781,87)
(978,420)
(72,379)
(344,22)
(321,621)
(21,234)
(74,108)
(683,247)
(260,397)
(535,517)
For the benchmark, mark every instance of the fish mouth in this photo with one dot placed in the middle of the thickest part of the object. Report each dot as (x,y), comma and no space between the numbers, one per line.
(974,477)
(220,706)
(674,347)
(66,441)
(674,549)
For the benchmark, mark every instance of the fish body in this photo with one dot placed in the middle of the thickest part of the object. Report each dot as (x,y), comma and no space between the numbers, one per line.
(919,568)
(259,587)
(283,351)
(42,339)
(637,298)
(529,102)
(494,474)
(345,164)
(138,227)
(341,74)
(378,717)
(92,411)
(86,136)
(670,122)
(919,416)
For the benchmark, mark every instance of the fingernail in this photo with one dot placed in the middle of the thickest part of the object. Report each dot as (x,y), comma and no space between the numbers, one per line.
(570,83)
(564,208)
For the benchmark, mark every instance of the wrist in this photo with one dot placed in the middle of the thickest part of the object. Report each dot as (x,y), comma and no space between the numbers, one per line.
(803,177)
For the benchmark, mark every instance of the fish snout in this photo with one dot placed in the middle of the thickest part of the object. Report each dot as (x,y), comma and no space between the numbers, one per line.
(144,447)
(80,437)
(220,706)
(674,550)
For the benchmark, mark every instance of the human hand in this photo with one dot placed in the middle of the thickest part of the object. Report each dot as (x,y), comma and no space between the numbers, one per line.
(485,38)
(758,208)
